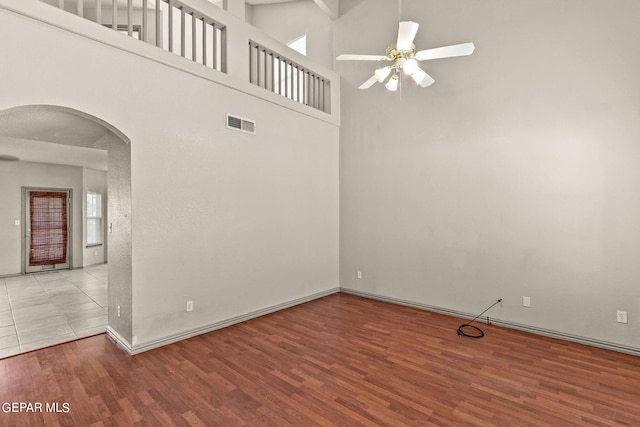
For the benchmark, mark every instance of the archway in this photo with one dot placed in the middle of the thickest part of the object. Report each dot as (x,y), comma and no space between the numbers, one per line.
(38,145)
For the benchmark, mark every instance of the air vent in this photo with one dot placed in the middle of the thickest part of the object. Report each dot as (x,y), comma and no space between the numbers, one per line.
(243,125)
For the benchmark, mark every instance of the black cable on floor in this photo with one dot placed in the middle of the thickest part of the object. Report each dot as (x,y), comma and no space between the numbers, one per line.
(471,330)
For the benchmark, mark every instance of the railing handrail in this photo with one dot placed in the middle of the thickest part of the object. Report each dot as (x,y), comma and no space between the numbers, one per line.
(237,35)
(300,84)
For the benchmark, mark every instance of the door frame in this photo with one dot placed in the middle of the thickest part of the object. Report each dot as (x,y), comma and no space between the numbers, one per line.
(25,225)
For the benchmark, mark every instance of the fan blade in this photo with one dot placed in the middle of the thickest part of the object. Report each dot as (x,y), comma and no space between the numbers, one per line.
(406,33)
(350,57)
(446,51)
(369,83)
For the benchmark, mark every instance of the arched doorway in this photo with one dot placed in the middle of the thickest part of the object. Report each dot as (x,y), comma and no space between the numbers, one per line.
(46,147)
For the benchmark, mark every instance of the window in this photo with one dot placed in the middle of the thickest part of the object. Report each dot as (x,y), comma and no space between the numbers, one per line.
(299,44)
(94,219)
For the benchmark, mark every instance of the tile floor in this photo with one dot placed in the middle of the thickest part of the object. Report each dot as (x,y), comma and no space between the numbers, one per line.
(43,309)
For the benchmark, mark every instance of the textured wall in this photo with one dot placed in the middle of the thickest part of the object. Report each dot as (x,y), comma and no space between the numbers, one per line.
(119,236)
(516,174)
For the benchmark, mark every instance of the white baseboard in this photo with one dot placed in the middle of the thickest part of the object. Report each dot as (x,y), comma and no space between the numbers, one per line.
(140,348)
(512,325)
(149,345)
(119,340)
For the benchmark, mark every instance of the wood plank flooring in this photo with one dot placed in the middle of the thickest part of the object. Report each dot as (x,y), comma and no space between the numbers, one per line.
(340,360)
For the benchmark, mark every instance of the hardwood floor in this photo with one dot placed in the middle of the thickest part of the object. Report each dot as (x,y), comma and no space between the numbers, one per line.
(340,360)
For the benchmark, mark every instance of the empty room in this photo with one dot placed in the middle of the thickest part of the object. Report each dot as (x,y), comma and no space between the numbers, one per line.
(319,212)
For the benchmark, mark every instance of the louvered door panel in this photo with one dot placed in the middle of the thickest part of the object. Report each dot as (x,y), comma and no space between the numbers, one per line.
(48,235)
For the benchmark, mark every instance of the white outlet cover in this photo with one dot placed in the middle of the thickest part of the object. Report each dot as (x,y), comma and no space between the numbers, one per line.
(622,316)
(526,301)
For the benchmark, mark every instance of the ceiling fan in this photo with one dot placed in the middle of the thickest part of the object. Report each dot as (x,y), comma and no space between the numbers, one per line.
(404,58)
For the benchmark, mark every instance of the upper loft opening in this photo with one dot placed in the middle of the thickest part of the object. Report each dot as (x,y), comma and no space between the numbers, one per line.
(197,32)
(299,44)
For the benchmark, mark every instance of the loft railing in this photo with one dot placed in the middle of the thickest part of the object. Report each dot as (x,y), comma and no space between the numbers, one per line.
(167,24)
(278,74)
(187,28)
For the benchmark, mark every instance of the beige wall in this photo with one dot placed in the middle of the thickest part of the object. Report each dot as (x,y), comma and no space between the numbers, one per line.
(119,239)
(237,223)
(516,174)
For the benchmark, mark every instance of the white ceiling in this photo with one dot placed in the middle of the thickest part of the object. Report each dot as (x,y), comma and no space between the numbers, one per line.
(51,136)
(46,152)
(151,3)
(256,2)
(253,2)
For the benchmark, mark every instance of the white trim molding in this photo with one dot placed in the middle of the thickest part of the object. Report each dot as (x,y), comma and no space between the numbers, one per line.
(506,324)
(150,345)
(119,340)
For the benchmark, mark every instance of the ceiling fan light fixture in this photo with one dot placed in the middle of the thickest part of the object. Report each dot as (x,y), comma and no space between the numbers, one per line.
(426,81)
(410,66)
(392,84)
(418,76)
(382,73)
(404,58)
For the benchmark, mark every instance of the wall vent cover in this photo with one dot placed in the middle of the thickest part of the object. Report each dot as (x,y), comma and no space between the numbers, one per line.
(238,123)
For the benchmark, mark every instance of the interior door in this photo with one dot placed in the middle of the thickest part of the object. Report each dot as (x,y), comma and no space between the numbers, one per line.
(47,229)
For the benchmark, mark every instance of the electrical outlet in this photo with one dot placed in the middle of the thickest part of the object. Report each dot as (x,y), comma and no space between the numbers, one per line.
(189,305)
(118,311)
(359,275)
(526,302)
(622,316)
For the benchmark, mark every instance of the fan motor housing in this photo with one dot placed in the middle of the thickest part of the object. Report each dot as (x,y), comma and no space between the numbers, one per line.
(396,55)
